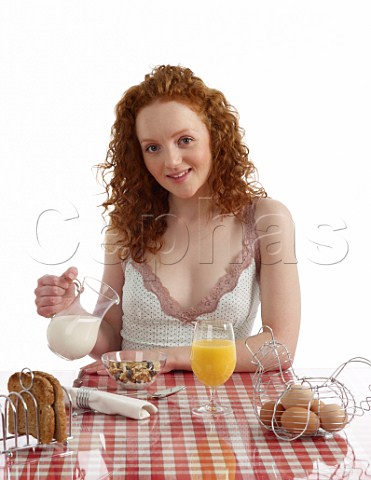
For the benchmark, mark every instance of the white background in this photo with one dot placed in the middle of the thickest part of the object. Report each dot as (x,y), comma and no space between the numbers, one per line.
(297,71)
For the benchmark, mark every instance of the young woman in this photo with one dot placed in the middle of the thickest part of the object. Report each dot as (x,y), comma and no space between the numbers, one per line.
(192,235)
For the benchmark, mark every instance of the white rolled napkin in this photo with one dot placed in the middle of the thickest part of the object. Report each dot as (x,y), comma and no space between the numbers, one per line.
(114,404)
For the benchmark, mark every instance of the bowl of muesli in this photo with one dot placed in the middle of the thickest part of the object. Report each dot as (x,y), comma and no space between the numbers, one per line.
(134,370)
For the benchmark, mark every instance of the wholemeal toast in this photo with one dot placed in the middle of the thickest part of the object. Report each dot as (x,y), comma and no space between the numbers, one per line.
(58,406)
(50,414)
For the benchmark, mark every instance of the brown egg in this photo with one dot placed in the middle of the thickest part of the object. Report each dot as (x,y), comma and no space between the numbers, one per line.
(300,421)
(297,396)
(317,406)
(333,417)
(267,411)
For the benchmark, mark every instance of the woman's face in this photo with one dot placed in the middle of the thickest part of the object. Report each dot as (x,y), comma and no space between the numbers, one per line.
(176,148)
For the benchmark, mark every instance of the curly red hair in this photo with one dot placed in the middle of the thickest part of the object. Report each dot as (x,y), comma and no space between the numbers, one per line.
(134,198)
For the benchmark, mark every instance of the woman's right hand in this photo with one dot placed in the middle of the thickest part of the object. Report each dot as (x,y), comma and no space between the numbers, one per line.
(54,294)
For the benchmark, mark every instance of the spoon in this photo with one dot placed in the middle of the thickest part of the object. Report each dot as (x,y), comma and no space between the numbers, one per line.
(166,393)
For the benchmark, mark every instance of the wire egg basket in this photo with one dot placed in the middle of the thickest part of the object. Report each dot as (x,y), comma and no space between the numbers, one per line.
(293,406)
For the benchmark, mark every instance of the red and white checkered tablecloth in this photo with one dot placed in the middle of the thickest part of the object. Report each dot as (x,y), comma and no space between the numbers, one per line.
(174,444)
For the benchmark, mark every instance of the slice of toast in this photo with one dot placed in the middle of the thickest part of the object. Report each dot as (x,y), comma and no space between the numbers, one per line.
(59,407)
(43,392)
(49,397)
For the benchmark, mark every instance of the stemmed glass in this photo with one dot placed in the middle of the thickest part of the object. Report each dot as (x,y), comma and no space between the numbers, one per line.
(213,360)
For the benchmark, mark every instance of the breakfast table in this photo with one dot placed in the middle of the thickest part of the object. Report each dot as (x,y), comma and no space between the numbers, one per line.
(175,444)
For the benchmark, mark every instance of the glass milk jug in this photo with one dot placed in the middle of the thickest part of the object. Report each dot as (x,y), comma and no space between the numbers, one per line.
(73,332)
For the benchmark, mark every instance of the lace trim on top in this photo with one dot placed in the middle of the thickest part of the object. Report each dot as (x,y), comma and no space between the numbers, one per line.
(226,283)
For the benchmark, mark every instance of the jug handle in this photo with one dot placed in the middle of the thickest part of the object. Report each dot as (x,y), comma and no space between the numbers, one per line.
(79,286)
(79,289)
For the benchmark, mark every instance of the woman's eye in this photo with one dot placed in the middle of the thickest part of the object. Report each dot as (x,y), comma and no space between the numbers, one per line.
(186,140)
(151,148)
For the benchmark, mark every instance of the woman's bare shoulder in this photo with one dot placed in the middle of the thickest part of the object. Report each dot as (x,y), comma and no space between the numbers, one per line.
(269,211)
(267,205)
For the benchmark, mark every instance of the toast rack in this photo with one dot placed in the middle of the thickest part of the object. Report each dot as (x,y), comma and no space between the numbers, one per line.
(291,406)
(11,405)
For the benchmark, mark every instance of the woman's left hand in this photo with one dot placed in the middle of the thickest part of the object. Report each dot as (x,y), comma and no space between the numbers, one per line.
(96,367)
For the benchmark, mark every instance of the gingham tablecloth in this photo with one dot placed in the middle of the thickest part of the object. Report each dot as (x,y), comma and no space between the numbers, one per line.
(174,444)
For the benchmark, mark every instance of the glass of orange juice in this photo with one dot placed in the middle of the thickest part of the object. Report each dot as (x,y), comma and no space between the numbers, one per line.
(213,360)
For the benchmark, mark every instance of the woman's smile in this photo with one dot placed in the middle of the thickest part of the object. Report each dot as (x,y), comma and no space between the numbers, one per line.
(179,177)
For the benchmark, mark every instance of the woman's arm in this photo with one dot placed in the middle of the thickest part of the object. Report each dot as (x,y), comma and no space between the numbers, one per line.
(279,281)
(109,338)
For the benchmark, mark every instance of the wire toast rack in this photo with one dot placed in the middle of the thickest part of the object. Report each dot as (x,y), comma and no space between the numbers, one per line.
(10,405)
(293,406)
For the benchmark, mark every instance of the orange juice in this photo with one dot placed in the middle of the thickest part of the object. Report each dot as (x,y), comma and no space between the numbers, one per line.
(213,360)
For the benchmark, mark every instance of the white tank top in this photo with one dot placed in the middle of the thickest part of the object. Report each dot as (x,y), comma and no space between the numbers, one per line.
(152,319)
